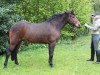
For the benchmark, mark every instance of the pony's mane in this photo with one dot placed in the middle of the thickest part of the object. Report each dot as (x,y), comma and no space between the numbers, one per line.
(57,16)
(54,17)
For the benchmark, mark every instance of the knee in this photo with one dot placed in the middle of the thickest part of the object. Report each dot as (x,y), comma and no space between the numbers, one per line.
(8,52)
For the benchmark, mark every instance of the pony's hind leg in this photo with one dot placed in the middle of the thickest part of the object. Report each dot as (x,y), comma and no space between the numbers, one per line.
(8,52)
(16,60)
(14,56)
(16,51)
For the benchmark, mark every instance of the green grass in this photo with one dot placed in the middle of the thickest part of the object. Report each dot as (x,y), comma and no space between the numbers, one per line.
(69,59)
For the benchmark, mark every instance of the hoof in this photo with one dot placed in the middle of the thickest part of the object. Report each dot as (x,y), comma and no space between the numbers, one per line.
(5,67)
(17,63)
(51,65)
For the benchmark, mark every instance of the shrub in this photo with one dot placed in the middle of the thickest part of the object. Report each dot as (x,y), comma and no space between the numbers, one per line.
(7,18)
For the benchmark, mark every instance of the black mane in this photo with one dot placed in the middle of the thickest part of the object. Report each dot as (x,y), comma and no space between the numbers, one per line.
(56,16)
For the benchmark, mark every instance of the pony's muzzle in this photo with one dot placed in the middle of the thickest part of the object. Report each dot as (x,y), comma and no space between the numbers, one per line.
(78,25)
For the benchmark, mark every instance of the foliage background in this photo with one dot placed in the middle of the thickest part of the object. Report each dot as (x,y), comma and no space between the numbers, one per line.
(96,6)
(36,11)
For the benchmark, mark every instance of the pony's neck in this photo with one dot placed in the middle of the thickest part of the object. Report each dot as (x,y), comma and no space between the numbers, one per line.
(59,23)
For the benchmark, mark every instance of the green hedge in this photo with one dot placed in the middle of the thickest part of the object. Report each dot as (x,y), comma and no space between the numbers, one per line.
(7,18)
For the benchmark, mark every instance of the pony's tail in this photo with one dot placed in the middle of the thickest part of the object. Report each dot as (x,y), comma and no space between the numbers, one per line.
(13,55)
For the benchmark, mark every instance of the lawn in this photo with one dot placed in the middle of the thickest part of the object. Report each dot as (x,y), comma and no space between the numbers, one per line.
(69,59)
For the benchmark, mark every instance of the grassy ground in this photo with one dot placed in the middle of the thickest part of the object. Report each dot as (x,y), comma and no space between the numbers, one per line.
(69,59)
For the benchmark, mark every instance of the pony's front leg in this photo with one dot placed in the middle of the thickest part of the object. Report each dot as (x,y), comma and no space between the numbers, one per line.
(51,51)
(8,53)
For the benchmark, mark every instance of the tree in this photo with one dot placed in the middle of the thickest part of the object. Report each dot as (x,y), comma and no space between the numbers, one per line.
(7,18)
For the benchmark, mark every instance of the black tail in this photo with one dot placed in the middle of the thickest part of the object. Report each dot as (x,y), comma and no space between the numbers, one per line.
(13,55)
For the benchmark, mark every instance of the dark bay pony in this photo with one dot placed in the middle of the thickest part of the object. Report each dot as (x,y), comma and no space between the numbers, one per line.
(47,32)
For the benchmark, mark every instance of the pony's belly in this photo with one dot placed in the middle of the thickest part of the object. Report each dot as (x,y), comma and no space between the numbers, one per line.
(42,38)
(38,40)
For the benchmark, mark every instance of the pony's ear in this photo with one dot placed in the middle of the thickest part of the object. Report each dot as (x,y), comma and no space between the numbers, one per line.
(72,12)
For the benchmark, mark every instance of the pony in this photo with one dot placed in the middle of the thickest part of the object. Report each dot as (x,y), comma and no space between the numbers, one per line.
(47,32)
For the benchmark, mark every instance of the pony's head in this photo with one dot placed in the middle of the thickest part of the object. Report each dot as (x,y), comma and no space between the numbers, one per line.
(71,19)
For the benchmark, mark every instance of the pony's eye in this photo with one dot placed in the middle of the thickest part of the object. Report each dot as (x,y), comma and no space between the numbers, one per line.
(72,16)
